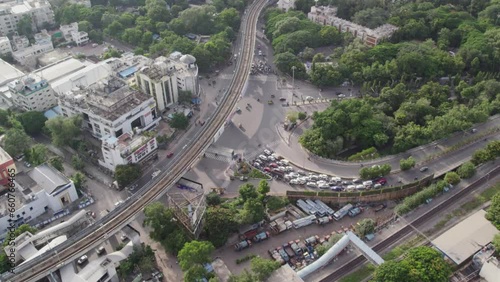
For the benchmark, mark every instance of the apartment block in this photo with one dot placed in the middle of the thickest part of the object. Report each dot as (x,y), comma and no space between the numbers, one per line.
(5,46)
(11,12)
(71,34)
(164,77)
(326,15)
(32,93)
(27,56)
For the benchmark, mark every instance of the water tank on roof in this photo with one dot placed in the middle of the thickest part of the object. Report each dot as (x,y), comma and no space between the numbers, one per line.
(188,59)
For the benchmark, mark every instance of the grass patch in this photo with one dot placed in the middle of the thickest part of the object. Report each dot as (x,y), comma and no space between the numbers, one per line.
(255,173)
(245,258)
(360,274)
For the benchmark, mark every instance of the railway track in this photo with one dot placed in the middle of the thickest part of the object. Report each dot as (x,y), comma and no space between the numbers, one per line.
(403,232)
(101,230)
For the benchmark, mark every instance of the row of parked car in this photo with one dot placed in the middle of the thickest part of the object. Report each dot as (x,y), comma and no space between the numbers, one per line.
(248,237)
(298,253)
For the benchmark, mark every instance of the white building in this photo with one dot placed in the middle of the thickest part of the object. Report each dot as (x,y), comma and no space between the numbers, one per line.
(286,5)
(20,42)
(166,76)
(5,46)
(71,34)
(326,15)
(8,73)
(32,93)
(37,191)
(11,12)
(28,56)
(128,148)
(85,3)
(110,108)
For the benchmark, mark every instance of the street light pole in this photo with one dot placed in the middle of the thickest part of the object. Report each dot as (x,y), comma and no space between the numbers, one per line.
(293,81)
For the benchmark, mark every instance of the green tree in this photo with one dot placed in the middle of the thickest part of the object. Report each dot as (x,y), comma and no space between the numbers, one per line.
(126,174)
(247,191)
(15,141)
(77,162)
(78,179)
(185,97)
(179,121)
(406,164)
(32,122)
(263,188)
(302,115)
(24,26)
(37,154)
(365,226)
(466,170)
(496,242)
(165,228)
(263,267)
(452,178)
(219,224)
(213,199)
(420,264)
(195,253)
(57,163)
(195,273)
(253,211)
(493,213)
(64,130)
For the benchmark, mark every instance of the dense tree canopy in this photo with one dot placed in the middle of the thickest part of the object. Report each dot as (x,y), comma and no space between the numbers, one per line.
(419,264)
(493,213)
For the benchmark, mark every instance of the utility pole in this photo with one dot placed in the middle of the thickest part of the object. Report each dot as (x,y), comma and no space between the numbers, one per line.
(293,81)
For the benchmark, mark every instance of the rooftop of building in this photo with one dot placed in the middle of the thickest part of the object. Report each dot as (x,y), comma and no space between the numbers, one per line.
(8,72)
(284,273)
(490,270)
(109,98)
(20,7)
(4,39)
(43,177)
(127,143)
(466,238)
(69,26)
(28,84)
(4,156)
(61,68)
(19,199)
(175,63)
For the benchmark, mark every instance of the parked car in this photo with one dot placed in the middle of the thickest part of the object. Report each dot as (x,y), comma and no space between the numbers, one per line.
(424,169)
(171,154)
(100,250)
(82,259)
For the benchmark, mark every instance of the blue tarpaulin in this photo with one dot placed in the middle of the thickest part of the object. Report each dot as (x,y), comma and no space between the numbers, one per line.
(127,72)
(196,101)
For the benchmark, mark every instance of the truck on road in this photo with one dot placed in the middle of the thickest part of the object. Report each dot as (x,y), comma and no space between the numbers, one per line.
(242,245)
(261,236)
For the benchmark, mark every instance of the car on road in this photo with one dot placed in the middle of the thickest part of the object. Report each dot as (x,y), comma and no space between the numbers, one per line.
(381,181)
(155,174)
(262,157)
(100,250)
(312,185)
(424,169)
(169,155)
(124,237)
(267,152)
(282,99)
(83,259)
(309,98)
(341,95)
(118,203)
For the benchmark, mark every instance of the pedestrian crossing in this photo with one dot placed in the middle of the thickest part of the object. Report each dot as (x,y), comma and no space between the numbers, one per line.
(217,157)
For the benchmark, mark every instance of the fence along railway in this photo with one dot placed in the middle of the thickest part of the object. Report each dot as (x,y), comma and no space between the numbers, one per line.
(112,222)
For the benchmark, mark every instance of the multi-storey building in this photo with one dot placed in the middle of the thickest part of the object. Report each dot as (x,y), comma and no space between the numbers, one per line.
(20,42)
(71,34)
(37,191)
(7,167)
(27,56)
(128,148)
(32,93)
(326,15)
(5,46)
(11,12)
(163,78)
(110,108)
(286,5)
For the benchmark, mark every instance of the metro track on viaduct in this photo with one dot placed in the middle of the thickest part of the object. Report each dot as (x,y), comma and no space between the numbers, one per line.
(99,232)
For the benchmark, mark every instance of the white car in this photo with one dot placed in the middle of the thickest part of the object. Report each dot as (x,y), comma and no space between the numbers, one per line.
(267,152)
(313,178)
(323,176)
(341,95)
(309,98)
(271,158)
(82,259)
(302,181)
(324,186)
(155,174)
(294,182)
(336,179)
(285,162)
(312,185)
(351,187)
(289,168)
(262,157)
(321,182)
(118,203)
(301,172)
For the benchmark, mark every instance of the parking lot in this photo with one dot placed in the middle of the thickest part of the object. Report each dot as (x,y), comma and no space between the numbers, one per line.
(318,234)
(278,168)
